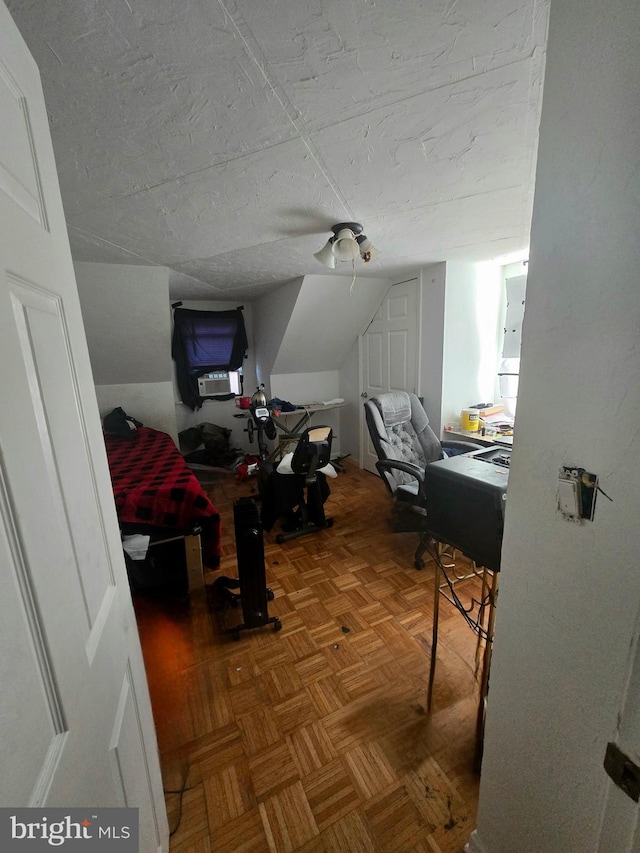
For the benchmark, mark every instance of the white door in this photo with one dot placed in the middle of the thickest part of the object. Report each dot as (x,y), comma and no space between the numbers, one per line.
(620,826)
(77,728)
(389,353)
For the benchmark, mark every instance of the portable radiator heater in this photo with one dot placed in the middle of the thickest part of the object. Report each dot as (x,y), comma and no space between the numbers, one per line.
(253,594)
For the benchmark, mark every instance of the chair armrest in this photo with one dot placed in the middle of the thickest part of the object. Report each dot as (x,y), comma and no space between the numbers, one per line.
(461,445)
(407,467)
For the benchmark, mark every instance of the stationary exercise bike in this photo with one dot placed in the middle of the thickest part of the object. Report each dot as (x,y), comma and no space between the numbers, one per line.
(296,490)
(260,422)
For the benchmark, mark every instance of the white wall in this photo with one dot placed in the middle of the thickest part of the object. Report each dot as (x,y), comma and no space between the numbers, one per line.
(432,285)
(307,336)
(350,416)
(317,387)
(272,313)
(311,387)
(326,319)
(570,595)
(149,402)
(126,317)
(472,330)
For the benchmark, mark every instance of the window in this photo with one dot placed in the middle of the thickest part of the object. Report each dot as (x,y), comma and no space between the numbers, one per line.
(206,342)
(509,370)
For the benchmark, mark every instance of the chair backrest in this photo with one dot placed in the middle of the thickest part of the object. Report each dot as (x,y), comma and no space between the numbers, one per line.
(313,450)
(399,429)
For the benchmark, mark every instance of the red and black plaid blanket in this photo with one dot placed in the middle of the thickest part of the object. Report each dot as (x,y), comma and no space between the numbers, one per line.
(152,485)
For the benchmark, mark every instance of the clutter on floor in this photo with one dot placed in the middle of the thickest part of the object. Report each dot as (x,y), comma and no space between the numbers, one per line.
(208,446)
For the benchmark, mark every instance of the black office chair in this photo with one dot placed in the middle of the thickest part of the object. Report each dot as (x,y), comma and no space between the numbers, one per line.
(300,493)
(405,445)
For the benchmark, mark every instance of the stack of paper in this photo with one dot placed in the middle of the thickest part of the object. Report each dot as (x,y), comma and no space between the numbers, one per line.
(500,422)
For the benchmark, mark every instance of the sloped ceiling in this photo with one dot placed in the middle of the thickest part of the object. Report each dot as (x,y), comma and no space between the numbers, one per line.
(325,323)
(223,138)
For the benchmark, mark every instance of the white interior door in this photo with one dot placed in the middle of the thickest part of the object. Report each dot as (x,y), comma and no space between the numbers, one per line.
(77,728)
(620,827)
(389,353)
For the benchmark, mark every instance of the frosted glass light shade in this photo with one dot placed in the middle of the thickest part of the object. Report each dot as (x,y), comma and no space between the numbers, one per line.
(325,256)
(347,244)
(345,247)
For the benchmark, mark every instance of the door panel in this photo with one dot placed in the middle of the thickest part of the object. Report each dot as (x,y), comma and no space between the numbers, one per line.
(620,825)
(374,357)
(399,356)
(19,174)
(75,708)
(390,353)
(44,341)
(37,705)
(397,305)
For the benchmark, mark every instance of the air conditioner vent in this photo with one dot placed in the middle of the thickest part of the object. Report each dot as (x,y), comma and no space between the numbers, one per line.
(211,384)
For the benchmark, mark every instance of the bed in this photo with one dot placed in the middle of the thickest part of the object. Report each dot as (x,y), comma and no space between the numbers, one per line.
(156,493)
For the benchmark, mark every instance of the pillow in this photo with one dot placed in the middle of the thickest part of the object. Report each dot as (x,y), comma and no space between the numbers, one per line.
(120,424)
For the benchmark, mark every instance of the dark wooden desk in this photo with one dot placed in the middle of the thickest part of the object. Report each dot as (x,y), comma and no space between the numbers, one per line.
(465,499)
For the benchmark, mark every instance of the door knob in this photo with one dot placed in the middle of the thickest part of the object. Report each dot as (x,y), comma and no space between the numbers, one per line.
(364,395)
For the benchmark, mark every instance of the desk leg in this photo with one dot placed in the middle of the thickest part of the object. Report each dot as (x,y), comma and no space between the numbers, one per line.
(486,666)
(484,596)
(434,636)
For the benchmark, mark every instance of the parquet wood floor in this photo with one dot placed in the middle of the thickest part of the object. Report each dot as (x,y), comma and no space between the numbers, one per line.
(316,739)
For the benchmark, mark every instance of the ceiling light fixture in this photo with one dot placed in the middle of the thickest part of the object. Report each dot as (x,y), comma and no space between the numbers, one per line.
(347,243)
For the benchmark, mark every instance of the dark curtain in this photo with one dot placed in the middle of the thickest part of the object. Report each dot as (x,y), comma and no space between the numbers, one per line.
(204,341)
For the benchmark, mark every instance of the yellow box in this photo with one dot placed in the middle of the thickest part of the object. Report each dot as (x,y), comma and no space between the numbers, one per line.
(470,420)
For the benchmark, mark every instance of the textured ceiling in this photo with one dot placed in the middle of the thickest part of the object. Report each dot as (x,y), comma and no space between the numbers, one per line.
(223,138)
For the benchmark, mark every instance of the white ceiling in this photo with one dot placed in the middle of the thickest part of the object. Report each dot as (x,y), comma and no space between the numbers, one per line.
(224,138)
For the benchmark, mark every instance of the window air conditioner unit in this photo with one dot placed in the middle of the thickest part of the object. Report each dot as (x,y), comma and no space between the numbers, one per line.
(210,384)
